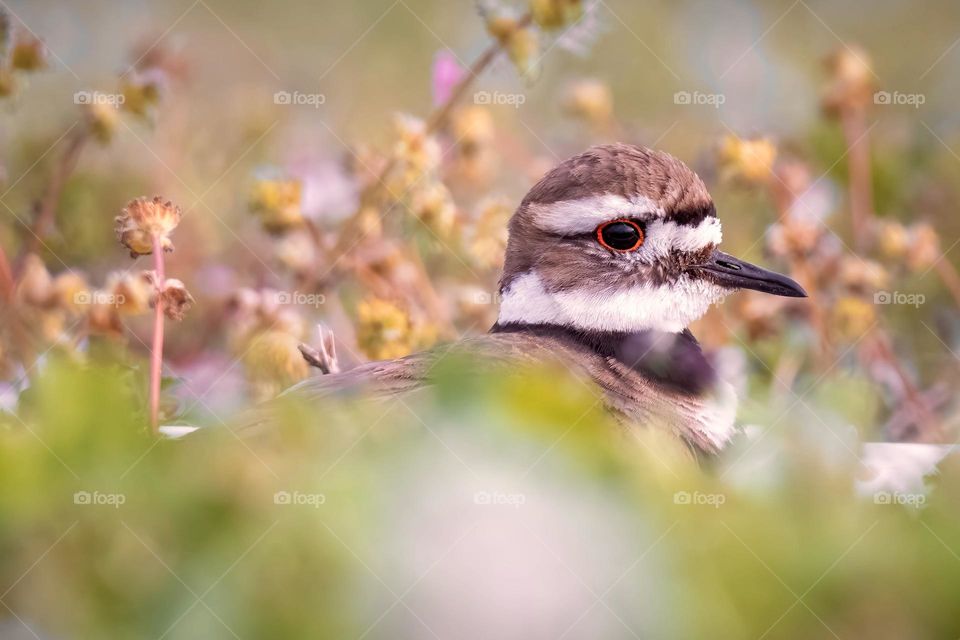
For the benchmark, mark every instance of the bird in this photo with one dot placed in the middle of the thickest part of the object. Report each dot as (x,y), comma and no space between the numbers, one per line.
(610,256)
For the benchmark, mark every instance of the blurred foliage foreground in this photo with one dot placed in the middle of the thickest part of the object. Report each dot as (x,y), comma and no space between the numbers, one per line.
(480,510)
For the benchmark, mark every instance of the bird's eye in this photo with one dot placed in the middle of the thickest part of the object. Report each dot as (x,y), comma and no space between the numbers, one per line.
(620,235)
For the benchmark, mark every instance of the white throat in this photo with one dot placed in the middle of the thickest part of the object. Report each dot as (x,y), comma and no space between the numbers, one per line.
(662,308)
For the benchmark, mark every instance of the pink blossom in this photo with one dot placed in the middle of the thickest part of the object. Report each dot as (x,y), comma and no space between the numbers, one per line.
(447,72)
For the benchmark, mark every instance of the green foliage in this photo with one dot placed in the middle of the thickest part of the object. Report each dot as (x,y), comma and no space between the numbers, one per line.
(524,480)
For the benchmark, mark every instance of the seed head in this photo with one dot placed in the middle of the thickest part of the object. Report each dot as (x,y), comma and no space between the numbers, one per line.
(893,240)
(417,152)
(489,243)
(852,317)
(277,203)
(129,292)
(591,101)
(385,330)
(71,290)
(144,219)
(747,160)
(524,51)
(28,53)
(272,362)
(473,129)
(850,84)
(434,207)
(924,247)
(175,298)
(556,14)
(36,285)
(102,119)
(142,91)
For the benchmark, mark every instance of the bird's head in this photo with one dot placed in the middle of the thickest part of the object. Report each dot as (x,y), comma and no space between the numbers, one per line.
(621,238)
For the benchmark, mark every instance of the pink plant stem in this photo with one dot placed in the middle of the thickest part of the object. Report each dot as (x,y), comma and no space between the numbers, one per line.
(854,124)
(156,353)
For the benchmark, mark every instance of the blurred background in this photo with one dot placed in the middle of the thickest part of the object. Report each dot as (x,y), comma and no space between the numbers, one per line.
(353,166)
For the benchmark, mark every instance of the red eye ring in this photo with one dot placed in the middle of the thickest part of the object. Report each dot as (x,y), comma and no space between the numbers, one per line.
(624,243)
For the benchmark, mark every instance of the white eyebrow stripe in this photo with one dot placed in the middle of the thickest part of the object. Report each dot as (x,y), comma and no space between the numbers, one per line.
(586,214)
(664,236)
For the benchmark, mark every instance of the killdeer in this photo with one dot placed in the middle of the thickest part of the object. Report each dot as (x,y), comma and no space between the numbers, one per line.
(611,255)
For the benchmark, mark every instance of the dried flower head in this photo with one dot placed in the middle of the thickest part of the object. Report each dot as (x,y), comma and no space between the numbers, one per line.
(501,27)
(370,222)
(433,206)
(850,84)
(924,248)
(277,202)
(590,100)
(862,276)
(747,160)
(488,245)
(102,118)
(473,129)
(893,240)
(524,51)
(252,311)
(28,53)
(272,362)
(385,330)
(417,152)
(792,181)
(852,316)
(142,91)
(297,252)
(103,317)
(760,314)
(36,284)
(175,298)
(144,219)
(794,237)
(71,291)
(130,293)
(556,14)
(522,44)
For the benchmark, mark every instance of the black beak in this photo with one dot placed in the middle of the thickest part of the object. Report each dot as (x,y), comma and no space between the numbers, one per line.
(727,271)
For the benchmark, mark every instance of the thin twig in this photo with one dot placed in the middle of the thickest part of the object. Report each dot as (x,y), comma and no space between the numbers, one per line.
(156,353)
(853,121)
(6,277)
(435,121)
(46,207)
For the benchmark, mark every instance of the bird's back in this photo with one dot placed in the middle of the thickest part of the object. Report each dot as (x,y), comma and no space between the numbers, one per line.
(637,396)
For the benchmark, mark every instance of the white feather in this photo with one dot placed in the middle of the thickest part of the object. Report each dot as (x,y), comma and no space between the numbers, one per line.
(586,214)
(718,414)
(663,308)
